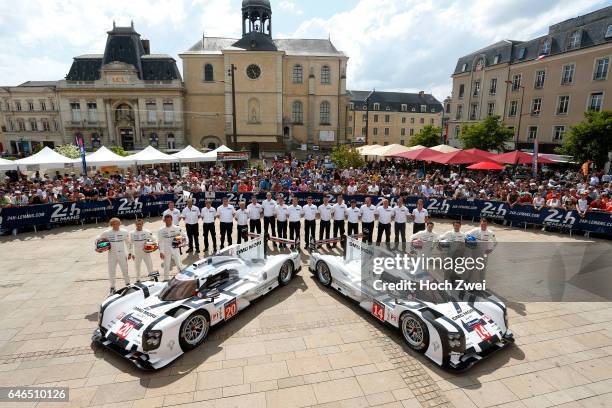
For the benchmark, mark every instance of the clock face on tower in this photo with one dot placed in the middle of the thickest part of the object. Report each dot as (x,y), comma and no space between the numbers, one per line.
(253,71)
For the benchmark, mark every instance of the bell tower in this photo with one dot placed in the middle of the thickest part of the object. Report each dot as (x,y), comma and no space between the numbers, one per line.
(256,17)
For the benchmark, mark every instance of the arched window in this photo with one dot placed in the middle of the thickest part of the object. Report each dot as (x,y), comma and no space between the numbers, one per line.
(325,74)
(324,113)
(208,73)
(298,74)
(297,113)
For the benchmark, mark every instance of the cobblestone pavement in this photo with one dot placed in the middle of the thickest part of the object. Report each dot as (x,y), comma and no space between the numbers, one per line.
(301,346)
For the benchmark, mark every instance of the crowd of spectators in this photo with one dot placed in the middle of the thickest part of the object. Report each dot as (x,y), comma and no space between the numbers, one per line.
(554,188)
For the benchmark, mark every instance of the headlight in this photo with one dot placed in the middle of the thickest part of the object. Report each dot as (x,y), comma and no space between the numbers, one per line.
(151,340)
(454,340)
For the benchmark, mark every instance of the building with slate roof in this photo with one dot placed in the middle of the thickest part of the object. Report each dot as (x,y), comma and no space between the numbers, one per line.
(290,93)
(540,87)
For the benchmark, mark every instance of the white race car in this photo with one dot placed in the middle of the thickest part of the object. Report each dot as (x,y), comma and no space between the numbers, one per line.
(153,323)
(452,331)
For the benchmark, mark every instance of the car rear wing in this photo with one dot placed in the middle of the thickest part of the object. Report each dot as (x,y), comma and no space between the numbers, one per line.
(351,244)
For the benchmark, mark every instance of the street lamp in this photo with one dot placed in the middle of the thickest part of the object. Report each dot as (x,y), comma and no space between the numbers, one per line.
(235,138)
(367,102)
(520,112)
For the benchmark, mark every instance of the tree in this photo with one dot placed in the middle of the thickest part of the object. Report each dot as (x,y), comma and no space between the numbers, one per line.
(488,134)
(344,157)
(118,150)
(69,150)
(590,139)
(429,136)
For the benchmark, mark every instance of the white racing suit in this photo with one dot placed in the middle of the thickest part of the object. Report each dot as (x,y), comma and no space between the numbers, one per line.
(164,239)
(486,243)
(117,255)
(137,241)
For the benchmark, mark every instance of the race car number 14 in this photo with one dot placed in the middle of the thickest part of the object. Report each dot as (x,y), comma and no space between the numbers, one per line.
(378,310)
(482,332)
(230,309)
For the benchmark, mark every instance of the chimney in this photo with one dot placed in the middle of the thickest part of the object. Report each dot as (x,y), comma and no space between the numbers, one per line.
(146,46)
(421,93)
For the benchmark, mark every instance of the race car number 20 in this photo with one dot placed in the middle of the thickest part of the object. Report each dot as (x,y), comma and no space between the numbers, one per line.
(230,309)
(125,330)
(378,310)
(482,332)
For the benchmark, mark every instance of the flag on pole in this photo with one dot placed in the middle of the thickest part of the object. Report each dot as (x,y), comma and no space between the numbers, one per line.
(534,162)
(541,57)
(81,144)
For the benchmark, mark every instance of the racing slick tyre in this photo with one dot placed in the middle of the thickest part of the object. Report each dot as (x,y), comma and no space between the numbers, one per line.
(323,274)
(414,331)
(285,273)
(194,330)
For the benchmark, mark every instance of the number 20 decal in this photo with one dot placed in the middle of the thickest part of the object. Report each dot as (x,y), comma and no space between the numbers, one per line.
(230,309)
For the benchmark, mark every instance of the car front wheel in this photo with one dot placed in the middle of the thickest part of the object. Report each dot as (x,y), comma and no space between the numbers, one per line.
(194,330)
(285,273)
(414,331)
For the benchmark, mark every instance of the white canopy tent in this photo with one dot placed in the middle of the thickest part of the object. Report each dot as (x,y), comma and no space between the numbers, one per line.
(367,149)
(105,157)
(390,150)
(212,155)
(7,165)
(190,154)
(46,159)
(444,148)
(417,147)
(151,155)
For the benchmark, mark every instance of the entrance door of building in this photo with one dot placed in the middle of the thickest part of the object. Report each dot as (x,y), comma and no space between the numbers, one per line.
(127,138)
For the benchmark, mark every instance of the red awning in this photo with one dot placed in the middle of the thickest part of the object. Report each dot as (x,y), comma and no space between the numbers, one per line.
(486,166)
(518,157)
(418,154)
(481,152)
(458,157)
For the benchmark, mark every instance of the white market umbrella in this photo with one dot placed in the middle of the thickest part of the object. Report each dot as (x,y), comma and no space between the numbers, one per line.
(417,147)
(212,155)
(190,154)
(392,149)
(367,149)
(444,148)
(7,165)
(47,158)
(151,155)
(106,157)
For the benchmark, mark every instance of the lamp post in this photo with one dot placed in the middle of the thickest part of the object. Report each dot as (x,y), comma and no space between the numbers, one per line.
(520,112)
(367,102)
(234,136)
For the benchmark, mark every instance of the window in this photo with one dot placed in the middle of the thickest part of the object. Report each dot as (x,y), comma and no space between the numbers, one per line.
(208,73)
(298,74)
(411,132)
(349,131)
(521,53)
(375,118)
(363,131)
(459,112)
(376,106)
(491,109)
(608,31)
(351,106)
(43,105)
(350,118)
(431,121)
(297,114)
(464,67)
(375,131)
(21,125)
(516,81)
(387,118)
(403,119)
(151,112)
(558,132)
(168,113)
(532,132)
(461,90)
(52,106)
(75,109)
(324,110)
(421,120)
(536,106)
(170,142)
(476,89)
(412,120)
(496,59)
(404,107)
(601,68)
(448,108)
(493,86)
(325,74)
(56,125)
(512,109)
(402,142)
(45,125)
(573,40)
(595,101)
(403,132)
(423,108)
(457,131)
(474,111)
(563,105)
(33,125)
(540,76)
(364,117)
(386,131)
(567,74)
(545,47)
(18,105)
(92,114)
(30,105)
(388,108)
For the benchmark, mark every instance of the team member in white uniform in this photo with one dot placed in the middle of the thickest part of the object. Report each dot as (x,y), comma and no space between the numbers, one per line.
(225,212)
(420,216)
(339,214)
(295,215)
(136,251)
(281,212)
(309,211)
(427,235)
(368,214)
(484,234)
(255,211)
(352,215)
(174,212)
(385,216)
(242,217)
(268,212)
(454,235)
(117,255)
(209,214)
(191,216)
(325,212)
(167,253)
(400,214)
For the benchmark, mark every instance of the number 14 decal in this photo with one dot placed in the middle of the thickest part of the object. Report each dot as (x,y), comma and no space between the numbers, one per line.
(378,310)
(482,332)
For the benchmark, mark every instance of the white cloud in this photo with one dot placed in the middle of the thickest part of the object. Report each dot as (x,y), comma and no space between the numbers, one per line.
(290,6)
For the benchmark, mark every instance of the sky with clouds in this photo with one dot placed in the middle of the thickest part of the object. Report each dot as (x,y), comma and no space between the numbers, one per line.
(404,45)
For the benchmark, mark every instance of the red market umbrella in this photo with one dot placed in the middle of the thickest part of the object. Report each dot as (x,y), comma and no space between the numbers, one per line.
(458,157)
(418,154)
(481,152)
(518,157)
(486,165)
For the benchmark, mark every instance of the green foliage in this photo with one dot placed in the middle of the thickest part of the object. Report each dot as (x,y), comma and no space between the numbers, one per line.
(69,150)
(118,150)
(344,157)
(488,134)
(590,139)
(38,148)
(429,136)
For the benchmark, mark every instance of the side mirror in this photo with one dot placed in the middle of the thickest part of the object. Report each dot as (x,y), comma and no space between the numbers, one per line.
(154,275)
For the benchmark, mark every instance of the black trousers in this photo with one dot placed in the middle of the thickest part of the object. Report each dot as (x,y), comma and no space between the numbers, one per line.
(386,229)
(193,232)
(418,227)
(255,226)
(281,228)
(269,222)
(400,231)
(209,228)
(226,231)
(368,231)
(353,228)
(242,231)
(309,231)
(338,228)
(294,230)
(324,227)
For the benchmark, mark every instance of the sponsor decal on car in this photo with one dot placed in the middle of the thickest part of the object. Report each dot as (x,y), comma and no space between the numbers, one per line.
(230,309)
(460,315)
(378,310)
(482,332)
(125,330)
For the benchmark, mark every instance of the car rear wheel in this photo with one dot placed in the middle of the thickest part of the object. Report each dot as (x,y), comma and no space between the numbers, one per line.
(286,273)
(324,274)
(414,331)
(194,330)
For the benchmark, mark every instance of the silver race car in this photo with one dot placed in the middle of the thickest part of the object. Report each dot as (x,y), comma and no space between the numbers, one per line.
(454,330)
(153,323)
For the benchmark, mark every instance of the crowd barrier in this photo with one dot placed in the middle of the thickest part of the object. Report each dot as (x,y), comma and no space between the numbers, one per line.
(154,205)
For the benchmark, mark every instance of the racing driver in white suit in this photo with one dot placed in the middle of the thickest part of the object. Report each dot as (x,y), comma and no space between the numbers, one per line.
(117,255)
(138,237)
(167,253)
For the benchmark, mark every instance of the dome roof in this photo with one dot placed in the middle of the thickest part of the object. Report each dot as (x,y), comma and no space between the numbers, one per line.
(256,3)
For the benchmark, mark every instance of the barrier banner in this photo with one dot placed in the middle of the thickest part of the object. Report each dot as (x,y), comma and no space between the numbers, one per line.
(154,205)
